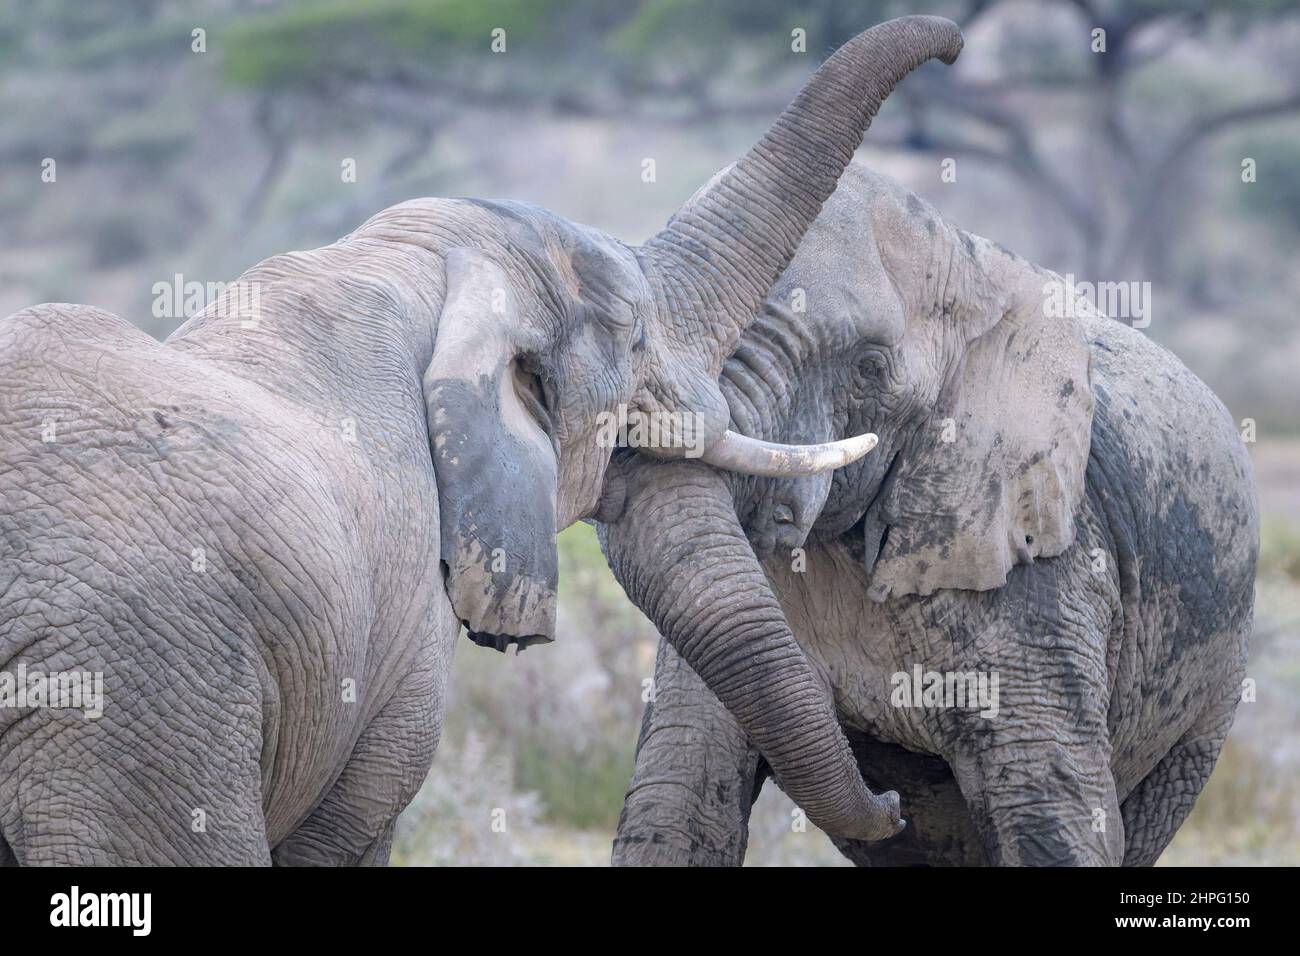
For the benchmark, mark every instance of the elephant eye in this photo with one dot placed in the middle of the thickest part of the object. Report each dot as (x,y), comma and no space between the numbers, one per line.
(532,395)
(871,367)
(871,363)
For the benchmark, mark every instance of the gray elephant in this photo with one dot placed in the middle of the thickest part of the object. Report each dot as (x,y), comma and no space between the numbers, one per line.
(1058,511)
(265,532)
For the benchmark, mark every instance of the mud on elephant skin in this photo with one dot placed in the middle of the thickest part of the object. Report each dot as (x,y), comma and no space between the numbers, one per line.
(267,531)
(1054,501)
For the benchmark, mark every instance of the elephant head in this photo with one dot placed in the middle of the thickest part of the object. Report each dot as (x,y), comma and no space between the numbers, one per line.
(888,321)
(546,328)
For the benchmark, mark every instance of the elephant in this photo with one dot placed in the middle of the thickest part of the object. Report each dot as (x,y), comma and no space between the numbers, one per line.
(265,533)
(1057,511)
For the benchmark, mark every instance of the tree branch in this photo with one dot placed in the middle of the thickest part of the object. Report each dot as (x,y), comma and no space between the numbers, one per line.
(1166,170)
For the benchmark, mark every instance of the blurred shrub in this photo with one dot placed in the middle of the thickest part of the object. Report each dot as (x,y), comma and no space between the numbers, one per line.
(1279,550)
(1245,816)
(773,840)
(581,788)
(450,821)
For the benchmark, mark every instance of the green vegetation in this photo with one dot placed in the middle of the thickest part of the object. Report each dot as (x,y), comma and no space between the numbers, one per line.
(310,44)
(1279,550)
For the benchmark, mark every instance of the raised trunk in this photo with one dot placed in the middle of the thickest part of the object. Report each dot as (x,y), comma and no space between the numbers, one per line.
(706,592)
(721,253)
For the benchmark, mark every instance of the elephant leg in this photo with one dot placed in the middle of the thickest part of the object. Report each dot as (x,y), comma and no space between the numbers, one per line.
(695,781)
(1160,803)
(79,816)
(940,831)
(1040,799)
(353,824)
(377,853)
(1020,715)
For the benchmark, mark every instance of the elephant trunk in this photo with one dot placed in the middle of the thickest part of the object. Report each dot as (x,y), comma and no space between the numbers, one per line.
(706,592)
(720,254)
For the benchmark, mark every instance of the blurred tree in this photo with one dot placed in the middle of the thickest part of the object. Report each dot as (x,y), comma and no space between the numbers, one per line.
(1102,139)
(1277,160)
(1117,180)
(412,62)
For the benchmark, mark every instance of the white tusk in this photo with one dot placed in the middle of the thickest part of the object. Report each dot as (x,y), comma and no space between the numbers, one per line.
(749,456)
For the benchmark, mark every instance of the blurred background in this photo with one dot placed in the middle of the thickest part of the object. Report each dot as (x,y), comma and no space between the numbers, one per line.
(1173,157)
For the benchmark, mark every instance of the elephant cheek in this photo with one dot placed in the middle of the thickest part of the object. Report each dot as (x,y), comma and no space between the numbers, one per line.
(496,496)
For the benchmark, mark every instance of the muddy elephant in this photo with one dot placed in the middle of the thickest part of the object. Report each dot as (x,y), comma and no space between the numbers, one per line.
(264,533)
(1027,611)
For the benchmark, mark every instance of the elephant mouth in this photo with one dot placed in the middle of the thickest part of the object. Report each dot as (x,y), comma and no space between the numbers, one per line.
(502,642)
(500,607)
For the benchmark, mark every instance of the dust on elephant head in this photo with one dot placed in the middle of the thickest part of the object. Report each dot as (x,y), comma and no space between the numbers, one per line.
(888,321)
(947,346)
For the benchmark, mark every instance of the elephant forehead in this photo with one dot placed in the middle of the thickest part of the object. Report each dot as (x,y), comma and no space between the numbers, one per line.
(837,285)
(844,301)
(592,274)
(601,272)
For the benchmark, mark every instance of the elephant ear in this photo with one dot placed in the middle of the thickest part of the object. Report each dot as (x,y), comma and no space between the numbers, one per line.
(496,469)
(995,478)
